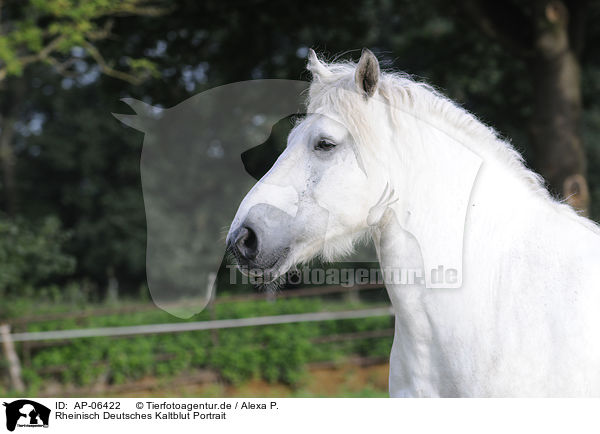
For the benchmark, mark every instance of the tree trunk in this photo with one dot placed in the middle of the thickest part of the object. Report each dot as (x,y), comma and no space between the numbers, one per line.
(11,98)
(7,162)
(555,125)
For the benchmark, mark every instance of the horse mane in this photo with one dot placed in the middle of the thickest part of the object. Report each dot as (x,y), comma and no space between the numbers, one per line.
(331,84)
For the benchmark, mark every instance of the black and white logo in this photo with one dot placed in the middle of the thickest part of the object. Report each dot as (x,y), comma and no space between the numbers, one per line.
(25,413)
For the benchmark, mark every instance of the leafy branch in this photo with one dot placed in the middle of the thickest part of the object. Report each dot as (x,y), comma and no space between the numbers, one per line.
(47,31)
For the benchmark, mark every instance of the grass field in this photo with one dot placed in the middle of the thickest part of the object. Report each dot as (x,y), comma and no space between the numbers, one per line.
(325,358)
(343,381)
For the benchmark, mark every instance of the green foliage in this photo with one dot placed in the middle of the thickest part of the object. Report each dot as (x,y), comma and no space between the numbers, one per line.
(277,353)
(45,30)
(94,162)
(31,256)
(96,175)
(144,66)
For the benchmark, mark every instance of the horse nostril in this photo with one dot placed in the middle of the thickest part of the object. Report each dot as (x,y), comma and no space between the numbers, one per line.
(247,243)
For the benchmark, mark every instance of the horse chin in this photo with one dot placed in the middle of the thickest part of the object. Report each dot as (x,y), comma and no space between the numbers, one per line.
(267,270)
(280,269)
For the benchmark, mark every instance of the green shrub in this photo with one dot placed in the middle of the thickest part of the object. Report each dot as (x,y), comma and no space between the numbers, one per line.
(277,353)
(31,256)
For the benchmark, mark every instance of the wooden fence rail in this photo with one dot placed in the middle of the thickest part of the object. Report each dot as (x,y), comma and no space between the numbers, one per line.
(199,325)
(134,308)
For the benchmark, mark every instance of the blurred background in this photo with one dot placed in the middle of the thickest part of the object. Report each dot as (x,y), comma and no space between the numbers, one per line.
(72,222)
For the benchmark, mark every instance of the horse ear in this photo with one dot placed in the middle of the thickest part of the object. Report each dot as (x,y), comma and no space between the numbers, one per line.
(315,66)
(144,117)
(367,72)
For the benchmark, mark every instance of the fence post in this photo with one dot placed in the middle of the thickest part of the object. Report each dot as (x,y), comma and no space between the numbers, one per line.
(351,295)
(14,367)
(212,290)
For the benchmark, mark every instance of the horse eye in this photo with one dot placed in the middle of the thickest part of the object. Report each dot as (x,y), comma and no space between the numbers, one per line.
(324,145)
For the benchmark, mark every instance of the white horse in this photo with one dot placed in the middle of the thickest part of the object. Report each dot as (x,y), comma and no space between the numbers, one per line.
(381,155)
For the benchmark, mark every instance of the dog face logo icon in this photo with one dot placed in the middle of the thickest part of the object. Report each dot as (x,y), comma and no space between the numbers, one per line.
(26,413)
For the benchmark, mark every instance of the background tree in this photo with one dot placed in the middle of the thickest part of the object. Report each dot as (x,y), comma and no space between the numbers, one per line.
(77,163)
(59,33)
(549,36)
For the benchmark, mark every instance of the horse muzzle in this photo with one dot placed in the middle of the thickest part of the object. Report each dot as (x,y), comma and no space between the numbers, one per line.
(262,241)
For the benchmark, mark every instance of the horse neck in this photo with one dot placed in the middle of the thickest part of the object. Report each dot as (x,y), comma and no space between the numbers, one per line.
(449,187)
(416,233)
